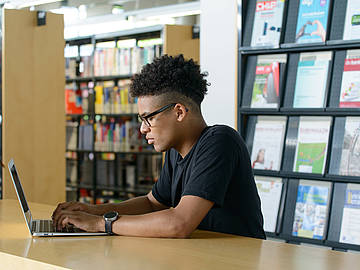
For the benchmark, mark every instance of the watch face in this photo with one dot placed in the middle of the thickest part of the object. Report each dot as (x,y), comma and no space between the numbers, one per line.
(111,215)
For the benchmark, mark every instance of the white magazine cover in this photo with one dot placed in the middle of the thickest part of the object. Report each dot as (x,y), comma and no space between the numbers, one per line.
(350,155)
(312,144)
(269,189)
(267,22)
(352,20)
(268,142)
(350,84)
(350,223)
(311,80)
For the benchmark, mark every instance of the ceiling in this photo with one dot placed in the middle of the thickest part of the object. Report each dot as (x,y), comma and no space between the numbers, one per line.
(93,8)
(86,17)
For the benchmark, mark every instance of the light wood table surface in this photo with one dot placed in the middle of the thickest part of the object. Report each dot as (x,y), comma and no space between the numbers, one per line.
(204,250)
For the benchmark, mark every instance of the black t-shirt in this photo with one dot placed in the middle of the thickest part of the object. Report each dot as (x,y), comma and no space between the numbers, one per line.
(218,169)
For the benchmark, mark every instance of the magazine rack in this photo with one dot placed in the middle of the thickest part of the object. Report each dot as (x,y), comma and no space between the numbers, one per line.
(248,117)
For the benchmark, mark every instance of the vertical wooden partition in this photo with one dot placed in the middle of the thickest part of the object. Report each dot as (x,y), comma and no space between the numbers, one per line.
(33,104)
(178,39)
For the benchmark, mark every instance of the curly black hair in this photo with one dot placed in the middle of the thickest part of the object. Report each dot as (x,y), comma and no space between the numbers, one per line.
(170,74)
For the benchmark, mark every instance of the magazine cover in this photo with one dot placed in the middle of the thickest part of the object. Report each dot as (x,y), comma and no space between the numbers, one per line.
(350,223)
(266,90)
(312,21)
(267,22)
(311,147)
(311,209)
(311,80)
(269,189)
(350,155)
(268,143)
(350,85)
(352,20)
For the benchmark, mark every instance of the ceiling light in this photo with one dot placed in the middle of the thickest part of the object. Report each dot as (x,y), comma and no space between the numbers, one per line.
(117,9)
(70,13)
(82,12)
(169,11)
(36,3)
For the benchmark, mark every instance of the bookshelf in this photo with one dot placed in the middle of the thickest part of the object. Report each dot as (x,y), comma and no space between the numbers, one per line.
(33,105)
(327,123)
(110,170)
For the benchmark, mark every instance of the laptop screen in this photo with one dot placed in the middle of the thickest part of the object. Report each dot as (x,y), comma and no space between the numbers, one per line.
(19,189)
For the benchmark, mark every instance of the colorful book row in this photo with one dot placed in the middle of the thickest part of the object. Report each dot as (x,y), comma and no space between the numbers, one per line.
(104,98)
(111,61)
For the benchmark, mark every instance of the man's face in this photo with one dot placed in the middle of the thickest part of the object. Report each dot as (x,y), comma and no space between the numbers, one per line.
(161,132)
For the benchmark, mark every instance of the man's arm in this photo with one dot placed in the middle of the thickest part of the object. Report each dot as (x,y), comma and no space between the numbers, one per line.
(136,206)
(178,222)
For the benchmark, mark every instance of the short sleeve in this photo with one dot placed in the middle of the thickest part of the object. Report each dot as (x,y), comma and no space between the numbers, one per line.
(213,169)
(162,188)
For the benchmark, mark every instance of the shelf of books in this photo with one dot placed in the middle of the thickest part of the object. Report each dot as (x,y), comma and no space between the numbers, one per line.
(299,113)
(108,160)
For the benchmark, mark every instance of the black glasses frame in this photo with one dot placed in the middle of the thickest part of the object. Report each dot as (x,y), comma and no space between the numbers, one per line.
(145,118)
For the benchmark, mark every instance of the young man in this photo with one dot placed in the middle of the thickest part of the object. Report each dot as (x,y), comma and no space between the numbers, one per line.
(206,181)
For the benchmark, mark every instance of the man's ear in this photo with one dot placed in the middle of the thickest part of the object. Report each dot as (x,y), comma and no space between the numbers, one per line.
(181,112)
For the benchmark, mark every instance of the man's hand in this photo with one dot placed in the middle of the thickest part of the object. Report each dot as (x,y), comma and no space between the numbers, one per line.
(74,206)
(82,220)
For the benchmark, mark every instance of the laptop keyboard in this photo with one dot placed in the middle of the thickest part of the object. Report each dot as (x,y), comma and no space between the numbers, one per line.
(46,226)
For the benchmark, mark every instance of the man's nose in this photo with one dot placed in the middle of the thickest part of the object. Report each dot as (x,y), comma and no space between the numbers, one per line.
(144,128)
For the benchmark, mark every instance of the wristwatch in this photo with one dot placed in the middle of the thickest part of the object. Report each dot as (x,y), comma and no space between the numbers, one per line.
(109,218)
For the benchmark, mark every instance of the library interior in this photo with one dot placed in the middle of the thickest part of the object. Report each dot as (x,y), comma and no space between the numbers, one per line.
(118,113)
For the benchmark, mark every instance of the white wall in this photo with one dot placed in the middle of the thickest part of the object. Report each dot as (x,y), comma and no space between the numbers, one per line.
(218,56)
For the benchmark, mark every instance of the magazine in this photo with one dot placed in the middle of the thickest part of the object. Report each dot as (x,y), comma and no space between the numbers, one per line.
(269,189)
(266,90)
(268,143)
(352,20)
(312,142)
(350,85)
(311,80)
(267,22)
(312,21)
(350,155)
(350,223)
(311,211)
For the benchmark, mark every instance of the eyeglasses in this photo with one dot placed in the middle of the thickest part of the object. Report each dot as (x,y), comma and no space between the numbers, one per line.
(144,119)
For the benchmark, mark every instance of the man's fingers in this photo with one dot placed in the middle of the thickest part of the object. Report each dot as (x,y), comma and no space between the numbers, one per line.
(68,206)
(82,220)
(60,207)
(64,215)
(67,220)
(58,221)
(56,213)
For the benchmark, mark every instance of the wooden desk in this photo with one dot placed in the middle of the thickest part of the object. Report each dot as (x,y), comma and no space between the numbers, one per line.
(205,250)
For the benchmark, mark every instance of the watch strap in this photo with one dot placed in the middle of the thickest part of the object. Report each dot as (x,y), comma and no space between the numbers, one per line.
(108,226)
